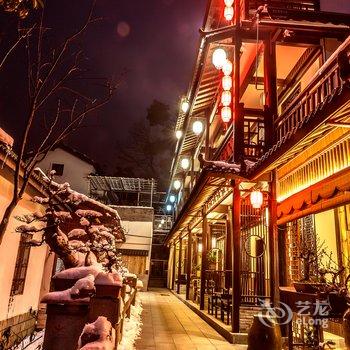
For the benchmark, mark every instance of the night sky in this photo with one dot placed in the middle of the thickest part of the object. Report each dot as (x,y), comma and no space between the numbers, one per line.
(154,42)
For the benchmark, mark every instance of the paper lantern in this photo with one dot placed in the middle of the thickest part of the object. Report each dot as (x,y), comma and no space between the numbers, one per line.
(227,82)
(178,134)
(226,98)
(185,106)
(228,3)
(226,114)
(197,127)
(228,13)
(227,67)
(219,58)
(185,163)
(177,184)
(256,199)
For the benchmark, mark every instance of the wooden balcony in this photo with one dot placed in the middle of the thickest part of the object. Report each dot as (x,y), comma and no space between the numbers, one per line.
(325,84)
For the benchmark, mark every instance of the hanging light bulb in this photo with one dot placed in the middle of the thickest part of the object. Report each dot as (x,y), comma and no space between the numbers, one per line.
(177,184)
(185,106)
(227,67)
(226,114)
(219,58)
(169,207)
(228,3)
(178,134)
(228,13)
(256,199)
(197,127)
(227,82)
(185,163)
(226,98)
(172,198)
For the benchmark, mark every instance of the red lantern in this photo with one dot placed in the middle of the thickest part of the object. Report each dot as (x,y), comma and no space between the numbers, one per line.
(256,199)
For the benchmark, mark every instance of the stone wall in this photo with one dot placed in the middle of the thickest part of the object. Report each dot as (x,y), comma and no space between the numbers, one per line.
(15,329)
(246,317)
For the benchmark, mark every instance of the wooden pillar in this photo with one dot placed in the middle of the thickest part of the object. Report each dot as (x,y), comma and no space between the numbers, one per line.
(270,90)
(179,266)
(189,264)
(236,259)
(228,253)
(204,258)
(273,242)
(173,267)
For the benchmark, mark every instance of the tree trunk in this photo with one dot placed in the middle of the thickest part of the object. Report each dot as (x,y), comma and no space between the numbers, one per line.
(6,218)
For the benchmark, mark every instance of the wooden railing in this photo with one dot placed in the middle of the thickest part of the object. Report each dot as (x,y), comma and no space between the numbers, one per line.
(297,5)
(325,82)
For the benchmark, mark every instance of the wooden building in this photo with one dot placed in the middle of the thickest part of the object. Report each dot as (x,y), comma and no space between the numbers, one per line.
(274,125)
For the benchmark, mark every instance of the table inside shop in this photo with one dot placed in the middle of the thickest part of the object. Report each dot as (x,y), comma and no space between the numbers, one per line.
(290,297)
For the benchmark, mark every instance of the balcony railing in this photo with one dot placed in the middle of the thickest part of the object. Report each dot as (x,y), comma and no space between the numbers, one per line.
(251,6)
(323,85)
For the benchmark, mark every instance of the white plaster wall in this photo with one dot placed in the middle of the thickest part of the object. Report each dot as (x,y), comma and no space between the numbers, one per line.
(139,236)
(8,253)
(75,170)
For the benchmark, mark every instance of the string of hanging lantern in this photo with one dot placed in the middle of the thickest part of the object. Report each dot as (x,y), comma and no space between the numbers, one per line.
(221,62)
(228,12)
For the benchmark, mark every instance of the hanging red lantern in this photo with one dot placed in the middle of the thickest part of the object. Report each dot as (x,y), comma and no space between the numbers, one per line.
(256,199)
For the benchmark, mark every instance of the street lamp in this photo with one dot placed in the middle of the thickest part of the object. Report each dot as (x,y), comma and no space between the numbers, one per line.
(197,127)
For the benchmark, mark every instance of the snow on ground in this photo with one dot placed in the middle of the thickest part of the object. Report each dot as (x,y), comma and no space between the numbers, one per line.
(132,327)
(35,343)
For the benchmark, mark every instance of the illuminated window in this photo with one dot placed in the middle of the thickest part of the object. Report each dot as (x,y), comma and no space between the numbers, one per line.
(22,260)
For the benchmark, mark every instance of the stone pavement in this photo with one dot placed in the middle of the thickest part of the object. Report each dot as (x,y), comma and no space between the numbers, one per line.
(170,324)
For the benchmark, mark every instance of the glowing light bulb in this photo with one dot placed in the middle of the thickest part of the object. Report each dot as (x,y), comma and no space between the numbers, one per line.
(185,106)
(228,13)
(177,184)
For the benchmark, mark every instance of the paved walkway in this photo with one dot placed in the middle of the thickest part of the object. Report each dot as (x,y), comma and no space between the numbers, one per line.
(170,324)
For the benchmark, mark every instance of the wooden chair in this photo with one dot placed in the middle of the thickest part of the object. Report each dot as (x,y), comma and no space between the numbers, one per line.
(226,307)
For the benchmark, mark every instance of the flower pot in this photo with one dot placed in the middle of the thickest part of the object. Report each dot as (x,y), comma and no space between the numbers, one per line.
(265,333)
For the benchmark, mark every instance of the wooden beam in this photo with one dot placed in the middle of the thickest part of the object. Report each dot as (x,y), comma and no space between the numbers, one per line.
(270,89)
(204,259)
(260,81)
(236,257)
(189,264)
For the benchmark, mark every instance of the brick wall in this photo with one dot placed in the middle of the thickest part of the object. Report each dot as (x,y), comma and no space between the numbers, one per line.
(246,317)
(17,328)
